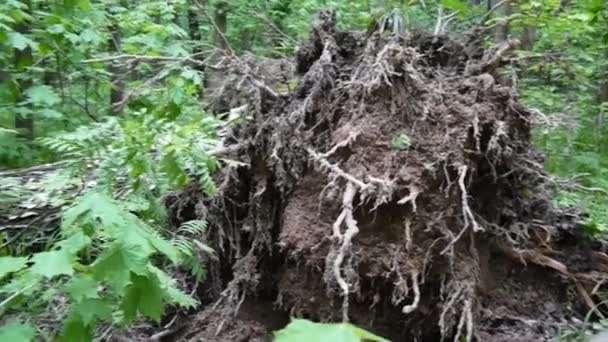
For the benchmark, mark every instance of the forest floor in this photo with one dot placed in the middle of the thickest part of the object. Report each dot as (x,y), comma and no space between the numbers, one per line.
(396,187)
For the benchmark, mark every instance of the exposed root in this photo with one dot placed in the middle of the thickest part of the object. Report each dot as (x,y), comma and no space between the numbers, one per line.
(408,234)
(346,217)
(462,295)
(411,197)
(344,143)
(337,170)
(416,288)
(467,212)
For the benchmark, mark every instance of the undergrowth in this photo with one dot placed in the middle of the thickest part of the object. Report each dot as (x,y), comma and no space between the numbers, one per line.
(108,265)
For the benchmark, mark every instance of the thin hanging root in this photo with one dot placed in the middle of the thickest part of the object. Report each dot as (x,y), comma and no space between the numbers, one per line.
(467,213)
(466,317)
(347,207)
(408,234)
(351,230)
(476,132)
(411,307)
(466,210)
(463,295)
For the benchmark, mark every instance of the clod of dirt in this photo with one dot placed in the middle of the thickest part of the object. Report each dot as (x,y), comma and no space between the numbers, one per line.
(397,188)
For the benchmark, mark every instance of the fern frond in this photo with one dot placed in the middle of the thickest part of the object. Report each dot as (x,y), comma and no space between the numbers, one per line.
(194,227)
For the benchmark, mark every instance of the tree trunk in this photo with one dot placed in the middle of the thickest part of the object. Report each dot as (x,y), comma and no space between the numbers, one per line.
(117,79)
(528,37)
(502,29)
(220,17)
(196,37)
(23,59)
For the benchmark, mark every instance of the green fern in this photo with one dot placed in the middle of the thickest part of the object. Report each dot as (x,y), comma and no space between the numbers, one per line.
(189,241)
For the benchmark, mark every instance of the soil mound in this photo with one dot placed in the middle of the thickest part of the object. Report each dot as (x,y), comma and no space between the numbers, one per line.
(395,187)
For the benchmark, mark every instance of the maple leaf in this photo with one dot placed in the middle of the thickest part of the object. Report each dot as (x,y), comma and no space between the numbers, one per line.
(11,264)
(117,262)
(143,295)
(82,287)
(53,263)
(16,332)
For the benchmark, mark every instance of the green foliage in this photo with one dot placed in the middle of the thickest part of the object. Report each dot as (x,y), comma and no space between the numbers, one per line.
(564,74)
(301,330)
(103,247)
(16,332)
(401,142)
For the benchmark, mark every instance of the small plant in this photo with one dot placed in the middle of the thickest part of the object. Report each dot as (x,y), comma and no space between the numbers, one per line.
(401,142)
(103,269)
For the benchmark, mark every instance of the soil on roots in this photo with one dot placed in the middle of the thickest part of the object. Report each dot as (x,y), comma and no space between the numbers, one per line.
(397,188)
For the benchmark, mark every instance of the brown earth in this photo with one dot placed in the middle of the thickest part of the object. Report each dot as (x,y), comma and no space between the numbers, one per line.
(396,187)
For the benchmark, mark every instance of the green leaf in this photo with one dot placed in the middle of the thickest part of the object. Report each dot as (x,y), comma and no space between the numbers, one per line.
(16,332)
(48,113)
(75,243)
(401,142)
(74,330)
(92,310)
(143,295)
(56,29)
(89,36)
(117,262)
(301,330)
(20,41)
(82,287)
(174,171)
(42,95)
(51,264)
(11,264)
(174,295)
(456,5)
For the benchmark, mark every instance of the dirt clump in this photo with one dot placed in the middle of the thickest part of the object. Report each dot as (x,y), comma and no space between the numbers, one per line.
(395,187)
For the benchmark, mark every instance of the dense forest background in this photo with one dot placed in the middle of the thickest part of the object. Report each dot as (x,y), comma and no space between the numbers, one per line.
(112,95)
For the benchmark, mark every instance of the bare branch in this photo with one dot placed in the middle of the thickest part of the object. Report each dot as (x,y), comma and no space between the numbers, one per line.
(492,10)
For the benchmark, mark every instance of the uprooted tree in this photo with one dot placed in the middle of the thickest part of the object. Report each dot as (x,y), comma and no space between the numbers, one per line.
(395,187)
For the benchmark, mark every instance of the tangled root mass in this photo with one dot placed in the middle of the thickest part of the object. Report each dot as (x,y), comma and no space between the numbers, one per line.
(395,187)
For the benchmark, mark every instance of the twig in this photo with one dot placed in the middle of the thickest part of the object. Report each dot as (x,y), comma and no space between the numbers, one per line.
(443,21)
(493,62)
(14,295)
(217,30)
(492,10)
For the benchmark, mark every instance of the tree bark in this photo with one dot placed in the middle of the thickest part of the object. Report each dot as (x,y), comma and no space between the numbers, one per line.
(220,17)
(502,29)
(23,59)
(117,81)
(195,35)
